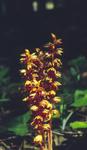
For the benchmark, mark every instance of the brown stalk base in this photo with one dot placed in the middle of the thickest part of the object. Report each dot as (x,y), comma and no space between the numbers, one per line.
(50,140)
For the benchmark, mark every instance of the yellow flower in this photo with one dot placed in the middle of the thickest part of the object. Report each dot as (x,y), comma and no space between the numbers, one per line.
(56,63)
(38,139)
(33,90)
(45,111)
(59,61)
(29,65)
(25,55)
(52,69)
(48,117)
(36,83)
(45,104)
(48,79)
(46,127)
(58,74)
(34,56)
(22,59)
(56,99)
(32,95)
(51,93)
(36,120)
(52,73)
(36,89)
(39,118)
(37,49)
(34,75)
(57,83)
(55,113)
(38,126)
(23,71)
(59,51)
(25,99)
(27,52)
(28,82)
(49,64)
(48,55)
(34,108)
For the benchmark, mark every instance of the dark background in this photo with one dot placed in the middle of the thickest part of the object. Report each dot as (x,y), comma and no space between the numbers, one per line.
(21,27)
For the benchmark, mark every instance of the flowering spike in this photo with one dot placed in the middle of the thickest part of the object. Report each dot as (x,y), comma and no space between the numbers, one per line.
(41,74)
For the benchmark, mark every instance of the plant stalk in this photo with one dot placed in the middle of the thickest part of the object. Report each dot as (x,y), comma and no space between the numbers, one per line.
(50,137)
(42,148)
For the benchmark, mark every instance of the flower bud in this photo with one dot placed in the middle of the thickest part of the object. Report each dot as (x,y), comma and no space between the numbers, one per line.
(53,37)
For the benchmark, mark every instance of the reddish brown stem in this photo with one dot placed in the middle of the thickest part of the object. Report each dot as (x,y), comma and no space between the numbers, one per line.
(50,137)
(42,148)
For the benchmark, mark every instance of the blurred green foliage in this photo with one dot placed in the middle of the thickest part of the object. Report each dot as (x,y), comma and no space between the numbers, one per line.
(80,98)
(74,94)
(8,89)
(78,125)
(19,125)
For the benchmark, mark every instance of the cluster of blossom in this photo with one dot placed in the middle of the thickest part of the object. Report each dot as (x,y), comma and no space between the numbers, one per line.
(41,74)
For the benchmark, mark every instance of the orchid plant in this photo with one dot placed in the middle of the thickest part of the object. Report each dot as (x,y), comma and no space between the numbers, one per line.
(41,82)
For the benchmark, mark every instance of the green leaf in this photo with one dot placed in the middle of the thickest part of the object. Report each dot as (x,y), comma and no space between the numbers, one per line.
(73,71)
(80,61)
(4,74)
(4,100)
(80,98)
(19,125)
(78,125)
(20,129)
(78,77)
